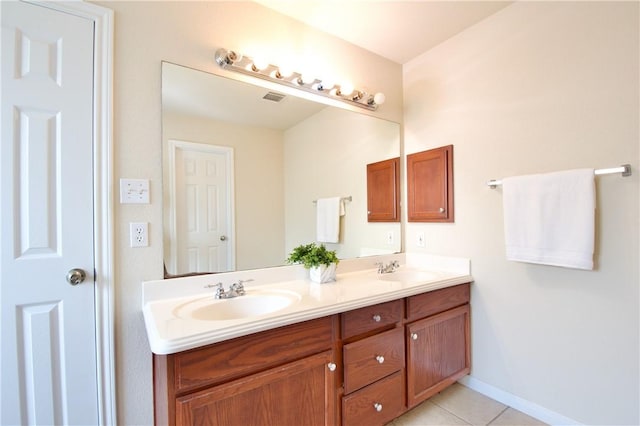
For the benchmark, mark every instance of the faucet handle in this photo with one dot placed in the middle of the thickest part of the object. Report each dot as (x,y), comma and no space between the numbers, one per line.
(220,294)
(239,287)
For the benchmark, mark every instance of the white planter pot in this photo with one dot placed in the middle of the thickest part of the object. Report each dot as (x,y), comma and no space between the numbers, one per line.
(323,273)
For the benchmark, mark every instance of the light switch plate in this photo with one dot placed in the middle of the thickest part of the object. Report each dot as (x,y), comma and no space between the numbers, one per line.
(134,191)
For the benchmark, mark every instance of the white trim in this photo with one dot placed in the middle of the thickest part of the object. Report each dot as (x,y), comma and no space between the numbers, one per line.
(529,408)
(103,196)
(170,166)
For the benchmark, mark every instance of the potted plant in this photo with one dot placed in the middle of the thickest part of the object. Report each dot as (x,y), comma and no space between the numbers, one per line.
(320,262)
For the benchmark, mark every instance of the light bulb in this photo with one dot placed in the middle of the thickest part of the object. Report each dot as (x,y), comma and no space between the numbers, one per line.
(305,79)
(327,84)
(259,64)
(346,89)
(379,98)
(284,71)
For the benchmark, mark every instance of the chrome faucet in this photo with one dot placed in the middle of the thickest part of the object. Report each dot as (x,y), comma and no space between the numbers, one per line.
(235,290)
(389,268)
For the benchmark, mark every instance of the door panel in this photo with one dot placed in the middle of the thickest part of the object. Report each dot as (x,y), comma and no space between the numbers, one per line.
(49,373)
(203,206)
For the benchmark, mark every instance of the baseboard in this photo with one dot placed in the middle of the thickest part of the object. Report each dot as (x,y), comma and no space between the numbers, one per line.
(529,408)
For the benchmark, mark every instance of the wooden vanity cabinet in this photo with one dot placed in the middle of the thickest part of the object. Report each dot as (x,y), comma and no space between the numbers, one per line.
(287,375)
(438,345)
(362,367)
(374,360)
(297,393)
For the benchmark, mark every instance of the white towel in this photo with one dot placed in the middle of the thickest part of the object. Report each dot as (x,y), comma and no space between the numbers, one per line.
(550,218)
(328,215)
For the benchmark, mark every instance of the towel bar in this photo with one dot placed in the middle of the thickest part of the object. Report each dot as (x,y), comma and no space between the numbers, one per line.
(349,198)
(625,169)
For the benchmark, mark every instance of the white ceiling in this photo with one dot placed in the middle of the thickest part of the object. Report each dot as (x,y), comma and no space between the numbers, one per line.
(396,30)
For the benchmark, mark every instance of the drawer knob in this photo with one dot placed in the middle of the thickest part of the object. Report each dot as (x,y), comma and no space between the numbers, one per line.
(331,366)
(414,336)
(377,318)
(377,406)
(380,359)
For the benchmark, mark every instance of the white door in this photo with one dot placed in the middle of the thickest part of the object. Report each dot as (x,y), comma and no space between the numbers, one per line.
(203,207)
(48,352)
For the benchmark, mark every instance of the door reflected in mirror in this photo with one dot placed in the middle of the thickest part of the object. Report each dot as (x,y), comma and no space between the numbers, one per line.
(243,165)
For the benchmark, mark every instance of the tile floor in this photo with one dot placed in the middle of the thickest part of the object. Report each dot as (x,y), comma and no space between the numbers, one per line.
(459,405)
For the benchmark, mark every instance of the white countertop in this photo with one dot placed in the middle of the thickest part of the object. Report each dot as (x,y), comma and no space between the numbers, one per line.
(169,331)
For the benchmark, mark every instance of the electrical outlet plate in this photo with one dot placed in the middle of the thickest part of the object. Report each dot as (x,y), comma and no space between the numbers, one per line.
(139,234)
(134,191)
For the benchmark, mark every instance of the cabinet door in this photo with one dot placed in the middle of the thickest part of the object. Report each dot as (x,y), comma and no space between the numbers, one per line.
(437,353)
(430,185)
(383,191)
(299,393)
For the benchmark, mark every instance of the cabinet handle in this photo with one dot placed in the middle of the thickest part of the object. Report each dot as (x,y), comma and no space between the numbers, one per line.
(377,318)
(377,406)
(441,209)
(380,359)
(331,366)
(414,336)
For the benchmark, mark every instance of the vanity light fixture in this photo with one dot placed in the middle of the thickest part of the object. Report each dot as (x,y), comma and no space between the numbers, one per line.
(230,60)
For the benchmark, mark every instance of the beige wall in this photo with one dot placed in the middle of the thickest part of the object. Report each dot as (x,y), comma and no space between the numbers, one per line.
(538,87)
(258,184)
(188,33)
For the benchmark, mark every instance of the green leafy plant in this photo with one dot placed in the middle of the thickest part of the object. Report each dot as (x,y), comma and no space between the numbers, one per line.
(312,255)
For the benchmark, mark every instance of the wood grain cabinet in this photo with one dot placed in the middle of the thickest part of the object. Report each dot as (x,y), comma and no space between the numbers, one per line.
(383,191)
(430,185)
(374,361)
(362,367)
(438,344)
(297,393)
(287,375)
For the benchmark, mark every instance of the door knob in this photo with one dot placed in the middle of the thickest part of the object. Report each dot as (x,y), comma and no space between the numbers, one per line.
(76,276)
(223,238)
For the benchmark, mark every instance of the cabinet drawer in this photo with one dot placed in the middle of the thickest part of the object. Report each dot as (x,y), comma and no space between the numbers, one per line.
(377,404)
(245,355)
(363,320)
(373,358)
(433,302)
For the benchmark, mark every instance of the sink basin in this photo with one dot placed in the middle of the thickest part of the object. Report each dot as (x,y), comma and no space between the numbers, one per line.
(253,304)
(409,275)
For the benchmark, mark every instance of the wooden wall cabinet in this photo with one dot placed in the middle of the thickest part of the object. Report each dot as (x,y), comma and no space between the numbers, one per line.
(430,185)
(383,191)
(362,367)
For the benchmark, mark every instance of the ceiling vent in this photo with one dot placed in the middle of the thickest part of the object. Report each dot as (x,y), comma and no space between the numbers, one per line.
(273,96)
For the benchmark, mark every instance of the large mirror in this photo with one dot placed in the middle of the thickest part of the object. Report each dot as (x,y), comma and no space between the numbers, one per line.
(244,166)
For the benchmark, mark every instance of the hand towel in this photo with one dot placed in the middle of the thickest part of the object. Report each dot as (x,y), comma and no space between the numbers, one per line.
(328,215)
(550,218)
